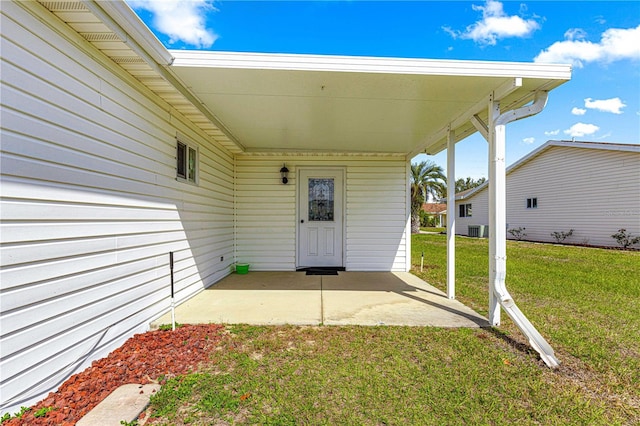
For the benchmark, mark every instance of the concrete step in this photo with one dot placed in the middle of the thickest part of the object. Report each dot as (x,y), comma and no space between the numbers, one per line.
(125,403)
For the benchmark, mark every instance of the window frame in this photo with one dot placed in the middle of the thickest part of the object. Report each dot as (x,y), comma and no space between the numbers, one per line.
(465,210)
(186,170)
(532,203)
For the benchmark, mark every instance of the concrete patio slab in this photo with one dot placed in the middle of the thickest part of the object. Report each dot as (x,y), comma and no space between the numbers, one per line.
(258,298)
(349,298)
(375,298)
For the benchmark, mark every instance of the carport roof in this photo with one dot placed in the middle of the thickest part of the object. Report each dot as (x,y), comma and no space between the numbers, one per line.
(283,103)
(256,102)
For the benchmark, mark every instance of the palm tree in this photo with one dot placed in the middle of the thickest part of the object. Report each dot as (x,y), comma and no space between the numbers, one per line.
(426,178)
(468,183)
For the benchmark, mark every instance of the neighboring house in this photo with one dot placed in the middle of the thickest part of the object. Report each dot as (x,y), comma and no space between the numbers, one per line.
(117,152)
(438,211)
(590,187)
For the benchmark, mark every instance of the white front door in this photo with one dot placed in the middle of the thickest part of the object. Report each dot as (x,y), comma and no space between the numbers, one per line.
(320,218)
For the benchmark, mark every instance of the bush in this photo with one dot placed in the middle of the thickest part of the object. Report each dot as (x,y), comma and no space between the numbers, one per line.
(517,233)
(561,236)
(625,239)
(424,219)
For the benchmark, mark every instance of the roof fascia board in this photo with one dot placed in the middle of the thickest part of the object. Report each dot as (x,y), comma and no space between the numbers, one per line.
(546,146)
(532,154)
(597,145)
(440,143)
(515,165)
(472,192)
(121,19)
(366,64)
(501,91)
(571,144)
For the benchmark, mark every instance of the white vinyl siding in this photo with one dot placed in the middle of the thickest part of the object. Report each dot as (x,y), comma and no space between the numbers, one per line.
(592,191)
(91,208)
(375,217)
(480,206)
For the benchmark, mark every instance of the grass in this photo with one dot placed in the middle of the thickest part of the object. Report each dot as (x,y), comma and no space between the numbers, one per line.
(585,301)
(432,229)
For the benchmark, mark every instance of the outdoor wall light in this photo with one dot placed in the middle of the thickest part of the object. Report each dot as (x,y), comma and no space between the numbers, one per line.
(283,174)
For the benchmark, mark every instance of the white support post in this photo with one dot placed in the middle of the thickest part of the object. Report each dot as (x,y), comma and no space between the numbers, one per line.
(498,294)
(451,215)
(496,170)
(407,226)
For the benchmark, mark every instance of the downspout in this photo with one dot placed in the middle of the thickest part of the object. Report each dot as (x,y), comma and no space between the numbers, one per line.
(500,123)
(498,251)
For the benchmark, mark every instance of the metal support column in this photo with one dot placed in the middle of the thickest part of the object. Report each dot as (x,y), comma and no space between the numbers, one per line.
(451,214)
(496,169)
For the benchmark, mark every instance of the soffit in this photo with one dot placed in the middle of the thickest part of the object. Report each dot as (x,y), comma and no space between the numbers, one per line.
(267,103)
(116,46)
(303,103)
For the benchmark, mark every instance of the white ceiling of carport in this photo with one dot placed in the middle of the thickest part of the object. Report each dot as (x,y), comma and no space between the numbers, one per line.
(284,103)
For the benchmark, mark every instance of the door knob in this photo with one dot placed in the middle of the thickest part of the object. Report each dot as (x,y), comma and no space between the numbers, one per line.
(302,221)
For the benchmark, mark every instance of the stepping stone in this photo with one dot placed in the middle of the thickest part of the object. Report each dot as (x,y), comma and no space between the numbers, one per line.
(124,403)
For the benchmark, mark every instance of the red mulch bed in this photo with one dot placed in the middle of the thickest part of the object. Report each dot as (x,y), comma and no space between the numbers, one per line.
(142,359)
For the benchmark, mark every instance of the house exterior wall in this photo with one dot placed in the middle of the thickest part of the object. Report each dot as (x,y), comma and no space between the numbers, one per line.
(593,191)
(91,207)
(479,212)
(376,211)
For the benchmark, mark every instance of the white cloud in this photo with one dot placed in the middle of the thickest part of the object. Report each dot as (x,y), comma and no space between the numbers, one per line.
(578,111)
(613,105)
(575,34)
(581,129)
(181,20)
(552,132)
(529,141)
(605,136)
(494,25)
(615,44)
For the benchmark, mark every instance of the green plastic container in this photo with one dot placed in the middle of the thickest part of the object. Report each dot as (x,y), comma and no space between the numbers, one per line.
(242,268)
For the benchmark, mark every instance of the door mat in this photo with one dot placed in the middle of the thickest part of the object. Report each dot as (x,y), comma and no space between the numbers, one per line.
(321,271)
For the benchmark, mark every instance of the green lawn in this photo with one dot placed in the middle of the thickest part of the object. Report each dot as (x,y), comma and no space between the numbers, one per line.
(432,229)
(585,301)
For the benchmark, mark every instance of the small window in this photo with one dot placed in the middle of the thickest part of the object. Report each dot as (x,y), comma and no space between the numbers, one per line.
(532,203)
(465,210)
(186,162)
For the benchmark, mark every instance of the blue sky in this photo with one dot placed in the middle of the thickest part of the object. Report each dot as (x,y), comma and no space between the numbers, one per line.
(600,38)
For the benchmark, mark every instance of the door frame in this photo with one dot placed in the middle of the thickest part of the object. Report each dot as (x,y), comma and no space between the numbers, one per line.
(300,187)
